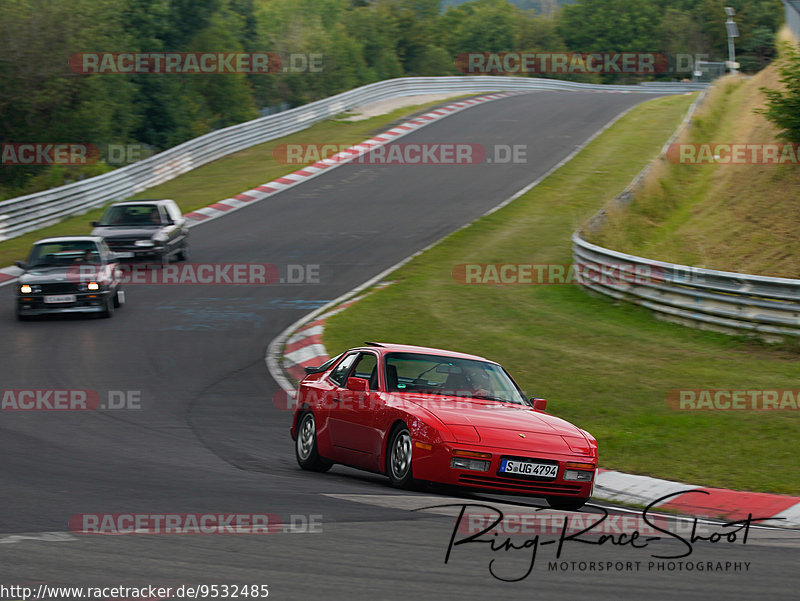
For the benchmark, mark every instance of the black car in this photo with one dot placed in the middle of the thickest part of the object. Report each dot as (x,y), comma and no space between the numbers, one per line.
(69,274)
(149,230)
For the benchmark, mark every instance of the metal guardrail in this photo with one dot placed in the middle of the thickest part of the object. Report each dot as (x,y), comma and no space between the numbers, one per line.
(33,211)
(734,303)
(719,300)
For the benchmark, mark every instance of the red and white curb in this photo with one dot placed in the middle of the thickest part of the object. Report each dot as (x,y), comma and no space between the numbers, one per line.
(341,158)
(304,348)
(9,274)
(783,510)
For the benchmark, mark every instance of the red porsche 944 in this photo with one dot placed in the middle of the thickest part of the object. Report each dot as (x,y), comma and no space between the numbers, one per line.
(421,415)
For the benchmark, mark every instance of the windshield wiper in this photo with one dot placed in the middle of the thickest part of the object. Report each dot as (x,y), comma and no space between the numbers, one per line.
(486,397)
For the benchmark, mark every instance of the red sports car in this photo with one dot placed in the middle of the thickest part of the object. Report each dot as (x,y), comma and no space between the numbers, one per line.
(421,414)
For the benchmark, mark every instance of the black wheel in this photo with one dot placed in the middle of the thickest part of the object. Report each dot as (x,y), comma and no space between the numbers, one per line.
(22,317)
(183,254)
(305,448)
(398,458)
(108,310)
(567,503)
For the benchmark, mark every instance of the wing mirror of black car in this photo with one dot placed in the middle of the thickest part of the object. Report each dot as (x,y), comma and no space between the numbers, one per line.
(94,223)
(21,264)
(358,384)
(539,404)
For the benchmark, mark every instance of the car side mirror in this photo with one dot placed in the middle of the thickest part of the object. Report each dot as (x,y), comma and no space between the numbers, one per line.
(21,264)
(358,384)
(539,404)
(93,223)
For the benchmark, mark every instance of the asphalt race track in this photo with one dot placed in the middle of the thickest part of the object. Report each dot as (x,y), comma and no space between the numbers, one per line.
(207,437)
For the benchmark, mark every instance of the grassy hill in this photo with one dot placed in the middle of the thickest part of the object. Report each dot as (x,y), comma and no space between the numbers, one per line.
(735,217)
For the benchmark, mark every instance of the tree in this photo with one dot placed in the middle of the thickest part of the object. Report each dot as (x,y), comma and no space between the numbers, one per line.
(783,106)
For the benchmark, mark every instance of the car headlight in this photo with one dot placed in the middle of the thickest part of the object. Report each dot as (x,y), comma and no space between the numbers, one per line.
(144,243)
(92,286)
(25,289)
(584,474)
(462,463)
(470,460)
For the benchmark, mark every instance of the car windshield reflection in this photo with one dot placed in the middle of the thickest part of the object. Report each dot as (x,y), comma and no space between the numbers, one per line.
(63,254)
(452,376)
(131,216)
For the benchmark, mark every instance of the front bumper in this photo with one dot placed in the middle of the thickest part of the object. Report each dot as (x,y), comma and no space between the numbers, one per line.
(139,254)
(434,465)
(85,302)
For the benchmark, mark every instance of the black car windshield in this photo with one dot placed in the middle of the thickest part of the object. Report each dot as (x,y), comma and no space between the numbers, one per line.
(63,254)
(131,216)
(441,375)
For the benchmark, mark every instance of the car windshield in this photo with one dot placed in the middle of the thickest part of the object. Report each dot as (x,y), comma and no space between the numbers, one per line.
(440,375)
(63,254)
(131,215)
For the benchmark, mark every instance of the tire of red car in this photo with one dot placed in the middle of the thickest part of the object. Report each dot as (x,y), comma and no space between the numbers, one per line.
(399,458)
(305,448)
(566,503)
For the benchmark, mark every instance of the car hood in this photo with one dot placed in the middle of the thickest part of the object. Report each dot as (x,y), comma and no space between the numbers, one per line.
(109,233)
(74,273)
(504,425)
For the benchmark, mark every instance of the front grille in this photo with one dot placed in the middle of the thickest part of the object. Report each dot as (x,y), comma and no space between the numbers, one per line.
(518,485)
(59,288)
(121,242)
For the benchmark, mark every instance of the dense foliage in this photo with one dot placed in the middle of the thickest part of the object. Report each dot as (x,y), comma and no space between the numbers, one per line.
(361,41)
(783,106)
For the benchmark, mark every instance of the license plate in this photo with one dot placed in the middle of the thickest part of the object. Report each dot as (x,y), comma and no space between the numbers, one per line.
(60,298)
(528,468)
(124,255)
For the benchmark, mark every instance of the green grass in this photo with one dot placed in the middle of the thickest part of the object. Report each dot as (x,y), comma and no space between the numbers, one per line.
(605,366)
(740,218)
(226,177)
